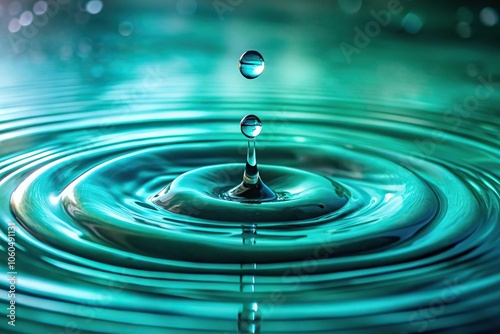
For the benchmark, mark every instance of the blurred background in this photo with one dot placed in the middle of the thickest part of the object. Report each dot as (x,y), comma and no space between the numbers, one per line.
(389,51)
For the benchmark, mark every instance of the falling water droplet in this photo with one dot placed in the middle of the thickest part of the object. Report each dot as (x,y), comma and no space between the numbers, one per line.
(251,64)
(251,126)
(252,189)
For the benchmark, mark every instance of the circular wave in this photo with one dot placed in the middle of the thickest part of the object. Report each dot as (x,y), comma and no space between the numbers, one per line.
(413,246)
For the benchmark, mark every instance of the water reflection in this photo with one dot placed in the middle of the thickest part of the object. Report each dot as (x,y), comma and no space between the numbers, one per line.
(249,318)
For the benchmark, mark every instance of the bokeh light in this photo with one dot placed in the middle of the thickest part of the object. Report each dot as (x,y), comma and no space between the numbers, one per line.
(14,25)
(488,16)
(94,6)
(126,28)
(40,7)
(350,6)
(464,30)
(26,18)
(412,23)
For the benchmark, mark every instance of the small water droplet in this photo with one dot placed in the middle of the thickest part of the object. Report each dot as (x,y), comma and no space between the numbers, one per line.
(251,64)
(252,189)
(251,126)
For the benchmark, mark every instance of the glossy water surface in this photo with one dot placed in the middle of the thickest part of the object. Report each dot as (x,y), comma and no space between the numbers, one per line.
(387,174)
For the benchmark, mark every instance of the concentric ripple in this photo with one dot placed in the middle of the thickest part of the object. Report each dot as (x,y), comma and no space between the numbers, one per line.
(410,238)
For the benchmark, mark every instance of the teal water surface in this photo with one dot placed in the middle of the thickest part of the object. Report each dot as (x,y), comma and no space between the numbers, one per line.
(113,168)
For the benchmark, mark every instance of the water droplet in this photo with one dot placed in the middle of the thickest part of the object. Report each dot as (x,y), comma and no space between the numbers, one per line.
(251,126)
(252,189)
(251,64)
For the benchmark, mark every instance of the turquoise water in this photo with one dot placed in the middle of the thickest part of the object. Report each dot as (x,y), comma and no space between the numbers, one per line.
(386,170)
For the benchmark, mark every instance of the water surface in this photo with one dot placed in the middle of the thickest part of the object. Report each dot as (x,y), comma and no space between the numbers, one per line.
(87,140)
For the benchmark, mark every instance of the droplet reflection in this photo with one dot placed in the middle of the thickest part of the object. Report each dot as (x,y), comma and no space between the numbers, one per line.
(251,64)
(251,126)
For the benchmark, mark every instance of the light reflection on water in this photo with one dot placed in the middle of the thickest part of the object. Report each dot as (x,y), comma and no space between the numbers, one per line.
(93,123)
